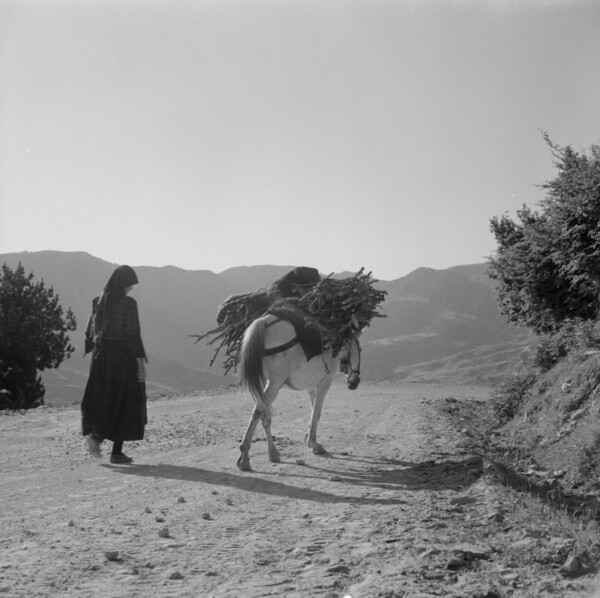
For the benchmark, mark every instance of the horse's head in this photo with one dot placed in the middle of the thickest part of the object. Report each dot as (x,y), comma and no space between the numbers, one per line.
(350,362)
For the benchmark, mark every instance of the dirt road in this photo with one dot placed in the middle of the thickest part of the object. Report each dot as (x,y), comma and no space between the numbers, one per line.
(399,508)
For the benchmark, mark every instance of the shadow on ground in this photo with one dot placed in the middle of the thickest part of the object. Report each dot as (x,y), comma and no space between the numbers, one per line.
(405,475)
(398,476)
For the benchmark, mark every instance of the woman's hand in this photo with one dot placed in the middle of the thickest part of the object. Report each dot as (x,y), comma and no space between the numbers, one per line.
(141,372)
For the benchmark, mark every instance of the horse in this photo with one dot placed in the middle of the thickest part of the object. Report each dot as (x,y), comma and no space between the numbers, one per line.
(272,356)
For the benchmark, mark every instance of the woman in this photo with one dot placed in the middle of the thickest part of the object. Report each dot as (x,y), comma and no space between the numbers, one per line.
(114,402)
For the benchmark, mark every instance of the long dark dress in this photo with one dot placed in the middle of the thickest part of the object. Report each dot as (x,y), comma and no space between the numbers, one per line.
(114,402)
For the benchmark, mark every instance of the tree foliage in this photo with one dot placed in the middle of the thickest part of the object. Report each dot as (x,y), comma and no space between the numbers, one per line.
(33,337)
(548,262)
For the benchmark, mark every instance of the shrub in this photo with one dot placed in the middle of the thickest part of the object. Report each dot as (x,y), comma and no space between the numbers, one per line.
(33,337)
(574,334)
(511,392)
(546,262)
(588,462)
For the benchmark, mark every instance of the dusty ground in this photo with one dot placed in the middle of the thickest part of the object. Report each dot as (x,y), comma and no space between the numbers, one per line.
(401,507)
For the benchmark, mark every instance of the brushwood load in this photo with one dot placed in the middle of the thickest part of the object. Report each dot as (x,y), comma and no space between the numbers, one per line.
(341,307)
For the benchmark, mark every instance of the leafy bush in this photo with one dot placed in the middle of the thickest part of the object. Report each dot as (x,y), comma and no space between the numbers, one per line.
(33,337)
(575,334)
(511,392)
(588,463)
(547,262)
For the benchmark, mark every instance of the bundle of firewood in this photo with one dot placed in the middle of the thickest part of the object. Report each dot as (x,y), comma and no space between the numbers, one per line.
(341,307)
(235,315)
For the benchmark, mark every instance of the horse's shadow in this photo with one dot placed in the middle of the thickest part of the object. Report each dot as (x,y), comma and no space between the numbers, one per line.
(402,477)
(393,474)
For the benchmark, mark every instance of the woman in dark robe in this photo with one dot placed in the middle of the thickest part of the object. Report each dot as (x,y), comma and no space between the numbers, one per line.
(114,402)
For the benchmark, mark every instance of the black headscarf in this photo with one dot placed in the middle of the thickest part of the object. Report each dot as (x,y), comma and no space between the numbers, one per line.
(120,279)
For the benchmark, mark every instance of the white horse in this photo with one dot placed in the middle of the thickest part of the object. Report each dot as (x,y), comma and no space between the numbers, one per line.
(271,357)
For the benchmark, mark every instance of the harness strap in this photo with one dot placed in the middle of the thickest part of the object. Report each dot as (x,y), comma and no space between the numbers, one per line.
(281,348)
(274,321)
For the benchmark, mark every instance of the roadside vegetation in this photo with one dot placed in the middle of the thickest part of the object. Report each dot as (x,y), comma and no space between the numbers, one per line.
(545,416)
(547,266)
(33,337)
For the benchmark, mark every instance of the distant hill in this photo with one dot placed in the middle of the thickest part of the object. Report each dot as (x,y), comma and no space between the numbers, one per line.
(440,325)
(443,325)
(475,273)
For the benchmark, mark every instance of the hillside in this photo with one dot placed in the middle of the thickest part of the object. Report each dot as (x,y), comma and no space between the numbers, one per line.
(443,325)
(440,325)
(555,423)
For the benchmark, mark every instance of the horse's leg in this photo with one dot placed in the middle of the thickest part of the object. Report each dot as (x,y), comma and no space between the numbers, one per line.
(317,395)
(243,461)
(270,395)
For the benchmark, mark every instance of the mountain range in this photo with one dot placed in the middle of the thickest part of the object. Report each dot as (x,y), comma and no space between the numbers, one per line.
(439,325)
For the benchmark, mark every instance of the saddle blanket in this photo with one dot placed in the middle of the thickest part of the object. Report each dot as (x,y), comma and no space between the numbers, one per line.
(308,332)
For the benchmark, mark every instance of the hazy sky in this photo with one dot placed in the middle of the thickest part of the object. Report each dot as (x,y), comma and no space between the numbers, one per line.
(334,134)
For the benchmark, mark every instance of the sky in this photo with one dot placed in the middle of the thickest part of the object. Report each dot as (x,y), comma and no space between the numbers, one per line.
(336,134)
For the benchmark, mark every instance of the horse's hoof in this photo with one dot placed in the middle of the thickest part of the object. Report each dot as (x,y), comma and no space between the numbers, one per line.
(243,464)
(319,450)
(274,455)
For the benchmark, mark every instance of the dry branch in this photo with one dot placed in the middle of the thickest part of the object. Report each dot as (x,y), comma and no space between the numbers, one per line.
(341,307)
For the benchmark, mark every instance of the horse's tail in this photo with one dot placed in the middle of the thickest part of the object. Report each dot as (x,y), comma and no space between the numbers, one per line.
(251,363)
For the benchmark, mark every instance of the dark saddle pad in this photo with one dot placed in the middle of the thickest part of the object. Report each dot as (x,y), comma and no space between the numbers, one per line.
(308,332)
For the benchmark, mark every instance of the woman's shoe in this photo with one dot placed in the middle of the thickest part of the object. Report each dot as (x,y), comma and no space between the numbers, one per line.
(93,446)
(120,459)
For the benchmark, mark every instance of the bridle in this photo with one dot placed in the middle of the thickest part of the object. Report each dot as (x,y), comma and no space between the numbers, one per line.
(345,361)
